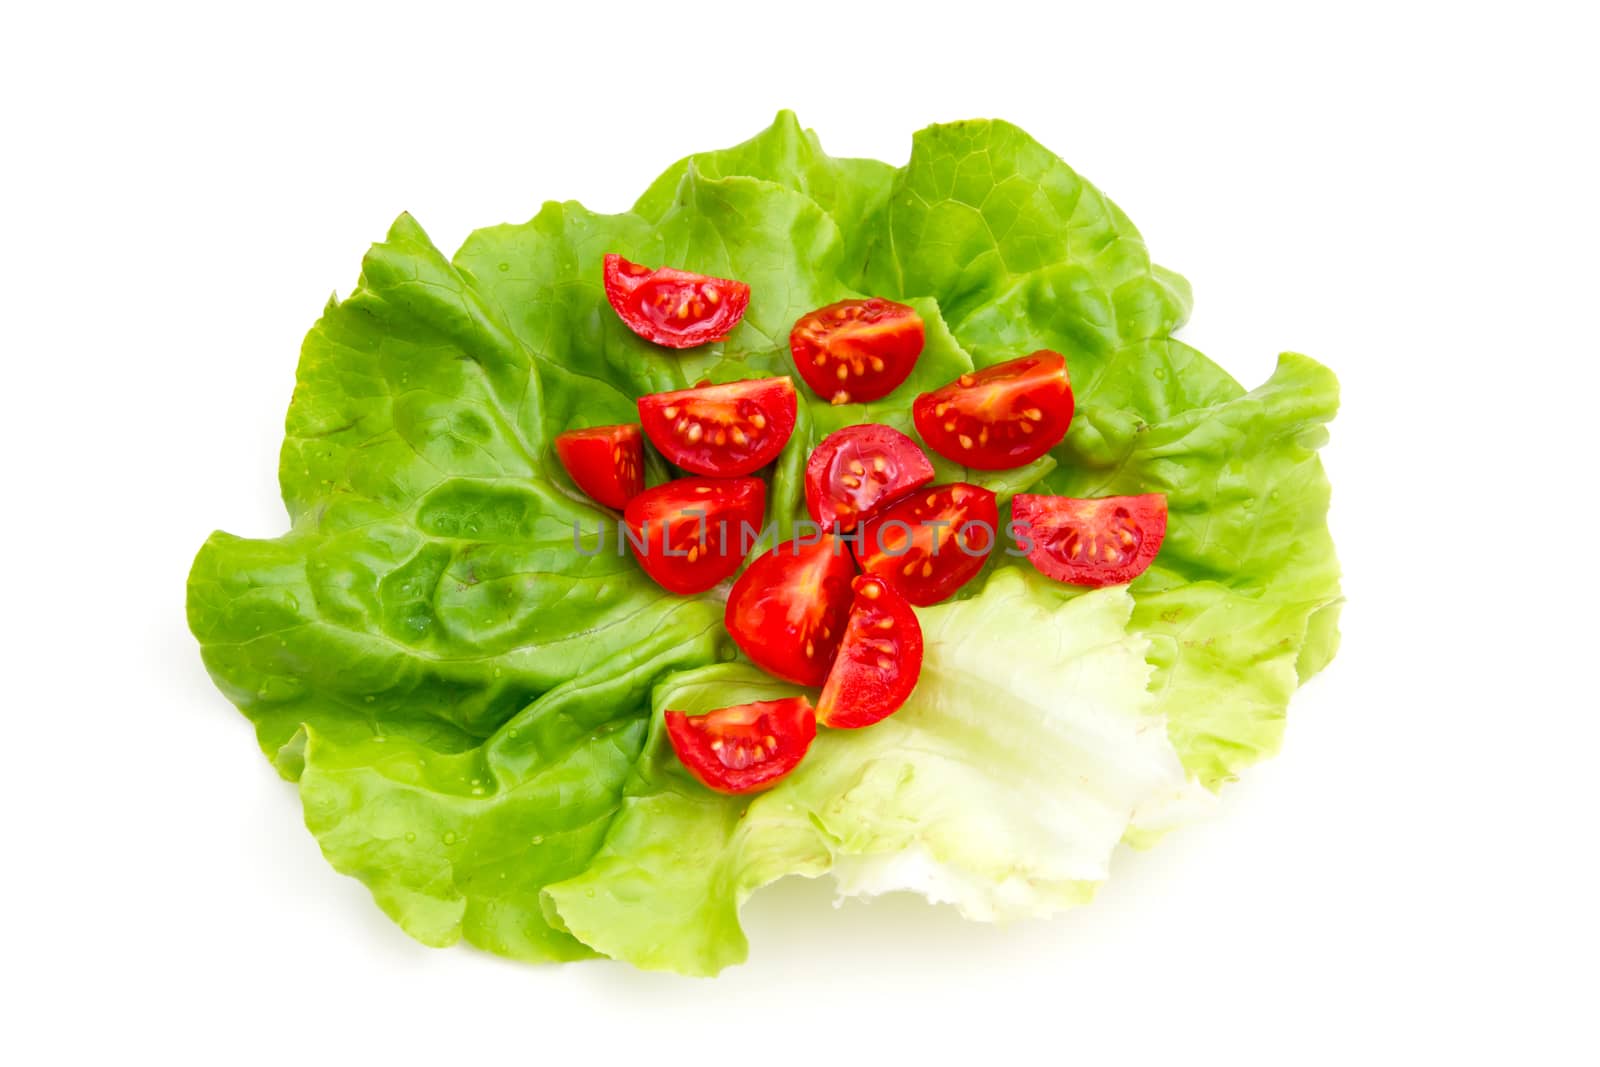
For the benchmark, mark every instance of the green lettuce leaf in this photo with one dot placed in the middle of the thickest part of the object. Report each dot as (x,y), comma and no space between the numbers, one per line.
(982,207)
(850,191)
(1023,254)
(467,688)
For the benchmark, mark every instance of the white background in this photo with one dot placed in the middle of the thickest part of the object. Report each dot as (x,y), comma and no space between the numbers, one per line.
(1406,193)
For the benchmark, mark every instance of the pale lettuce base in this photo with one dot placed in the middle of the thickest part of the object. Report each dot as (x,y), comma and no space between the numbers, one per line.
(1029,749)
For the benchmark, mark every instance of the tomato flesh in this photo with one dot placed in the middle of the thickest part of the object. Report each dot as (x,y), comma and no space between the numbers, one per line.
(857,471)
(606,462)
(746,747)
(1000,417)
(721,430)
(671,307)
(692,533)
(788,609)
(931,543)
(1107,541)
(857,350)
(879,659)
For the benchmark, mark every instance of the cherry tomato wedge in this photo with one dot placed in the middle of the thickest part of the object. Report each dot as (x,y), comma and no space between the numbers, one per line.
(672,307)
(788,609)
(857,350)
(692,533)
(1000,417)
(931,543)
(746,747)
(857,471)
(721,430)
(878,662)
(606,462)
(1090,542)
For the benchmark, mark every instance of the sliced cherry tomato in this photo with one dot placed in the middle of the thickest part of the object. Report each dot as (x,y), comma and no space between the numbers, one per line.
(692,533)
(721,430)
(857,350)
(788,609)
(932,542)
(859,470)
(1090,542)
(878,662)
(1000,417)
(745,747)
(607,462)
(674,307)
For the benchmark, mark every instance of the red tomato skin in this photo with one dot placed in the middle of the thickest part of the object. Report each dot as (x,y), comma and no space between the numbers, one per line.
(1001,417)
(879,660)
(833,503)
(876,341)
(729,504)
(684,425)
(606,462)
(647,301)
(956,504)
(1132,527)
(790,723)
(788,609)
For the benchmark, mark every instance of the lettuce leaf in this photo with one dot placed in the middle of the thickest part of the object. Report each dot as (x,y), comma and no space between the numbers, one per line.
(1026,753)
(471,706)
